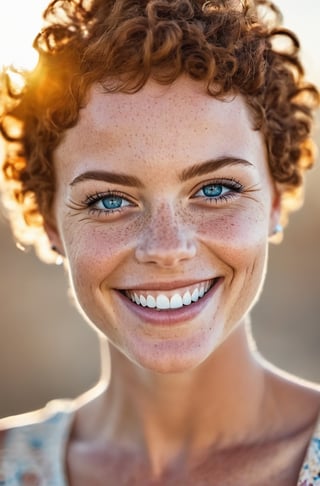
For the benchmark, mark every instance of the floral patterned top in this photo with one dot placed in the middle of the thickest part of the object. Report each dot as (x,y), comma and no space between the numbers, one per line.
(310,471)
(34,454)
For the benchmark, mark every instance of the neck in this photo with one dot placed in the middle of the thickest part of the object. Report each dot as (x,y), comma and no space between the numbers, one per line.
(217,404)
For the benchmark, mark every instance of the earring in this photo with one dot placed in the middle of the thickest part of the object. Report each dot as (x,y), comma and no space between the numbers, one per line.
(59,259)
(277,229)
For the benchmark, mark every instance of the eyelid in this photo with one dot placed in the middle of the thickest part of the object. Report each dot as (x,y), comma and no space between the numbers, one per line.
(231,183)
(93,198)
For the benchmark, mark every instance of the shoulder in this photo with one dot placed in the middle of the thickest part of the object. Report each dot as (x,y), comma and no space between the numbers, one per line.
(52,413)
(297,399)
(31,443)
(298,403)
(310,471)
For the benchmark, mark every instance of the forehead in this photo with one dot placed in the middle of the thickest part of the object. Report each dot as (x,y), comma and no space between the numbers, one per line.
(159,104)
(170,121)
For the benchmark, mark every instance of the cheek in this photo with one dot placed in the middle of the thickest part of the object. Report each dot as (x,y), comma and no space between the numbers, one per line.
(235,230)
(94,250)
(237,242)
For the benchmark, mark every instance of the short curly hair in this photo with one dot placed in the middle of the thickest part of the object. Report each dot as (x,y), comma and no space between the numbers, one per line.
(233,46)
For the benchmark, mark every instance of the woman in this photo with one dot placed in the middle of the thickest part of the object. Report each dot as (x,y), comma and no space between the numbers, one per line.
(160,146)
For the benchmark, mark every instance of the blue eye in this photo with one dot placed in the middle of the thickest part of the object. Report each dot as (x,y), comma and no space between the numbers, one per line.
(213,190)
(107,203)
(112,202)
(219,191)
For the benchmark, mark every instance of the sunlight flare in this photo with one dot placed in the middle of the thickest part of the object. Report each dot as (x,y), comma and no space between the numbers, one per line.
(19,23)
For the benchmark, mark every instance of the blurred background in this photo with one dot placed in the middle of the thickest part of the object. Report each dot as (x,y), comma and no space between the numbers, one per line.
(48,351)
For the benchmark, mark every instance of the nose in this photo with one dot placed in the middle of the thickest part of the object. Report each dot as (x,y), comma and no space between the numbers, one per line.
(166,241)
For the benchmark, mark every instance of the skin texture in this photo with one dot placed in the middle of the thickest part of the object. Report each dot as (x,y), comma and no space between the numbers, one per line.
(187,399)
(165,233)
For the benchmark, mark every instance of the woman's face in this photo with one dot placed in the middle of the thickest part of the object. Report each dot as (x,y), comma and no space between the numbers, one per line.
(163,209)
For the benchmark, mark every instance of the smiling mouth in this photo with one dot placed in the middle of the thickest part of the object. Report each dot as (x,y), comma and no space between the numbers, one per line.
(173,299)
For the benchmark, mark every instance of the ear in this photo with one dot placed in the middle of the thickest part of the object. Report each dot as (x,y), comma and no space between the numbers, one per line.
(54,238)
(275,228)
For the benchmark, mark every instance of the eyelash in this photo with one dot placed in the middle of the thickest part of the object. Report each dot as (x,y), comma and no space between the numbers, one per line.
(234,187)
(92,199)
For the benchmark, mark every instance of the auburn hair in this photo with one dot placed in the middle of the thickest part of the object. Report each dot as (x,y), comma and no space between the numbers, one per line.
(233,46)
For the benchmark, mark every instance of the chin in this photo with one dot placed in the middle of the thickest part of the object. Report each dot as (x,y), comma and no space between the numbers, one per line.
(171,357)
(169,366)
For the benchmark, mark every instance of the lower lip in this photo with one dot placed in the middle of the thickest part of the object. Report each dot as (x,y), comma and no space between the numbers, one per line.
(171,316)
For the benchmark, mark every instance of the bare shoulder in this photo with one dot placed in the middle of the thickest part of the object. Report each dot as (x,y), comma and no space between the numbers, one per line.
(297,400)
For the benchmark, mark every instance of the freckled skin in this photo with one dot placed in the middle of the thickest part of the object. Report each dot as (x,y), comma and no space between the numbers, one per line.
(166,234)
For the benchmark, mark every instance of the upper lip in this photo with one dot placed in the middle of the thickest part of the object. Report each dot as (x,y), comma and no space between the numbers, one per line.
(172,285)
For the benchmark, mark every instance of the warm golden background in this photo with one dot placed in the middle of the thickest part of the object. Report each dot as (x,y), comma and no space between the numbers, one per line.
(47,351)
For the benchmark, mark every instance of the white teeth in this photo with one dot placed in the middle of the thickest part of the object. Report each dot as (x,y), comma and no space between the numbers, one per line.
(176,301)
(143,300)
(163,302)
(186,299)
(151,301)
(195,295)
(136,298)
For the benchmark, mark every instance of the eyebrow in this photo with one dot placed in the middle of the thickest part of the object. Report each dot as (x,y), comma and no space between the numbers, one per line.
(113,177)
(196,170)
(211,166)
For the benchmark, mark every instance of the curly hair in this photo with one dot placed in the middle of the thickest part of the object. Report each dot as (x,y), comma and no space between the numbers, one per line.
(233,46)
